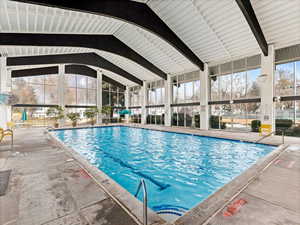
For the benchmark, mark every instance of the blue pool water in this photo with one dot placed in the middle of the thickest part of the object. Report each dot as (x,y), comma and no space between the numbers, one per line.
(180,170)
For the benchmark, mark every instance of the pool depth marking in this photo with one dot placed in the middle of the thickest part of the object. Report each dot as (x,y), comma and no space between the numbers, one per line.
(161,186)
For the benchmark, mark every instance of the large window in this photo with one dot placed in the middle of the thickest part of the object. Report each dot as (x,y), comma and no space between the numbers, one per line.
(112,95)
(136,115)
(235,86)
(80,90)
(287,79)
(156,93)
(186,88)
(36,116)
(36,89)
(234,116)
(156,115)
(135,96)
(186,116)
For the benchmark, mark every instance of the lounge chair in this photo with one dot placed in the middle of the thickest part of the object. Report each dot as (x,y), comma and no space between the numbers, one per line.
(7,132)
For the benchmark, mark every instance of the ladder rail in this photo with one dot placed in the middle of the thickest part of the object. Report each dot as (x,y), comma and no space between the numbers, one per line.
(142,185)
(268,135)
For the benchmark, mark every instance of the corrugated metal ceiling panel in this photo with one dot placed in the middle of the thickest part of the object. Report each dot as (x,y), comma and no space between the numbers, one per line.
(14,51)
(129,66)
(154,49)
(214,30)
(280,21)
(20,17)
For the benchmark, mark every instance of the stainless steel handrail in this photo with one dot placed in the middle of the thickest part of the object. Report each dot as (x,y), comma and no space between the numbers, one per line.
(145,200)
(259,140)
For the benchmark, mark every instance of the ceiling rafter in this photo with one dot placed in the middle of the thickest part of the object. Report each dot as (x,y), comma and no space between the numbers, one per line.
(91,59)
(136,13)
(69,69)
(248,11)
(107,43)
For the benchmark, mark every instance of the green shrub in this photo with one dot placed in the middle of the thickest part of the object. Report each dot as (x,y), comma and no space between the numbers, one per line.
(197,120)
(283,123)
(215,122)
(255,125)
(74,117)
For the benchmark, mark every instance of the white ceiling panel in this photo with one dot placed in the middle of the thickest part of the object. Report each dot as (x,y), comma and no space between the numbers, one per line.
(14,51)
(158,52)
(115,77)
(129,66)
(280,21)
(21,17)
(215,30)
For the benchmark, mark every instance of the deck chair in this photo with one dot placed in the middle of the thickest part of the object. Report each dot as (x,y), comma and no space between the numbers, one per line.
(7,132)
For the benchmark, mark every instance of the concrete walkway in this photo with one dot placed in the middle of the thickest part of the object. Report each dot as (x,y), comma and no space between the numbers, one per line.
(47,189)
(272,199)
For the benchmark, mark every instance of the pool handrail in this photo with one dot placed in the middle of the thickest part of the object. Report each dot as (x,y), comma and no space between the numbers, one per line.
(142,184)
(268,135)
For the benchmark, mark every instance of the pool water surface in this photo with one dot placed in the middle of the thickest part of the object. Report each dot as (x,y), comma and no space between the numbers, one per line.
(180,170)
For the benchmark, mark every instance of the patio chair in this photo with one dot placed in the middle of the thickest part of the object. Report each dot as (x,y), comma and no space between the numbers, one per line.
(7,132)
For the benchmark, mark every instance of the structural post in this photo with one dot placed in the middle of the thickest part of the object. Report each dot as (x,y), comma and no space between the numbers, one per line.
(127,103)
(5,87)
(168,101)
(204,107)
(144,103)
(99,96)
(266,81)
(61,90)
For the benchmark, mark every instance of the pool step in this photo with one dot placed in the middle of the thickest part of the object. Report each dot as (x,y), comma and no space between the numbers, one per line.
(170,212)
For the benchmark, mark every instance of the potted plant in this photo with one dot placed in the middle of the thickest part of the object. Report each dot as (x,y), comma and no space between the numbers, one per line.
(106,111)
(91,114)
(56,113)
(74,117)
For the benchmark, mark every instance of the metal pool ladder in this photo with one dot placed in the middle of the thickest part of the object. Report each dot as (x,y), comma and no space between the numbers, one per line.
(268,135)
(145,200)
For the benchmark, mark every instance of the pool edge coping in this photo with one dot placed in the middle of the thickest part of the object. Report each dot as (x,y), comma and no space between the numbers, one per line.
(214,203)
(207,208)
(120,195)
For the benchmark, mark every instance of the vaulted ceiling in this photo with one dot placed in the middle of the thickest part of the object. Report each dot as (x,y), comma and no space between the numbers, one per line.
(215,31)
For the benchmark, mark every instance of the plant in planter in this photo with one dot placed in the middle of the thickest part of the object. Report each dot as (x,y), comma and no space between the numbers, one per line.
(91,114)
(255,125)
(106,111)
(74,117)
(56,113)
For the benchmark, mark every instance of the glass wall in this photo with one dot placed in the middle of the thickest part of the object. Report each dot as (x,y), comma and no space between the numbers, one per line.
(36,89)
(135,96)
(156,93)
(112,95)
(136,115)
(82,120)
(186,89)
(287,79)
(242,85)
(36,116)
(287,83)
(234,116)
(156,115)
(186,116)
(80,90)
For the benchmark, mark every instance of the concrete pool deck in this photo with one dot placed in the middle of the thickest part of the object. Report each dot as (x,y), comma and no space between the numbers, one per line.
(47,188)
